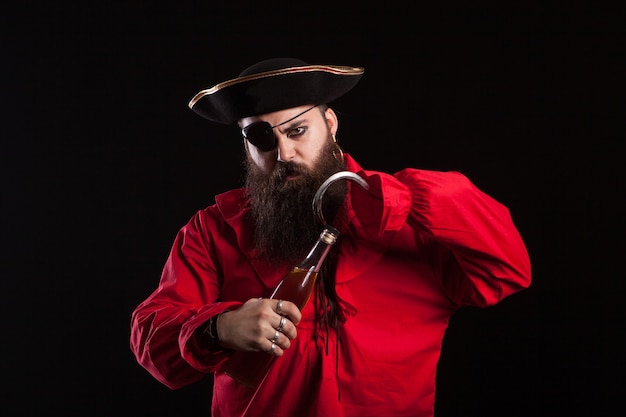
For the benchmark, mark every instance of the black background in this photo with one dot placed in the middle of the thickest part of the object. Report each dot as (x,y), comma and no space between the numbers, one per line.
(102,162)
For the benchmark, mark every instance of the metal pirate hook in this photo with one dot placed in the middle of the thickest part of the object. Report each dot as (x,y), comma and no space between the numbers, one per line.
(319,194)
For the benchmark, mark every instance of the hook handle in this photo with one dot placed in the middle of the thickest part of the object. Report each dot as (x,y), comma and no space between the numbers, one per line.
(319,194)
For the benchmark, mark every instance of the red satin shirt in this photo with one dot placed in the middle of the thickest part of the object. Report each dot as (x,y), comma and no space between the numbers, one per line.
(416,248)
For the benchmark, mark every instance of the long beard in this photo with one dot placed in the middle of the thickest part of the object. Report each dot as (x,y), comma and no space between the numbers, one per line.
(285,225)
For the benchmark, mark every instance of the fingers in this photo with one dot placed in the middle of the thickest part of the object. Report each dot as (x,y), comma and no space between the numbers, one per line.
(276,336)
(285,329)
(281,324)
(258,326)
(287,308)
(279,341)
(286,322)
(278,344)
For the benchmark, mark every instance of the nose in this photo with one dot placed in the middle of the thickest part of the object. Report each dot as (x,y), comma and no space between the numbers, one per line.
(286,149)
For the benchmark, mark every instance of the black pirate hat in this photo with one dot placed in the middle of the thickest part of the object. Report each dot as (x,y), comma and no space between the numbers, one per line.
(272,85)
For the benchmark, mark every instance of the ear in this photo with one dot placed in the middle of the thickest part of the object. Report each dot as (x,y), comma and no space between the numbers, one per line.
(331,120)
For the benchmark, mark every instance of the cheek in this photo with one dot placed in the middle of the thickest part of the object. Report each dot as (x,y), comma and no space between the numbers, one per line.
(311,153)
(264,160)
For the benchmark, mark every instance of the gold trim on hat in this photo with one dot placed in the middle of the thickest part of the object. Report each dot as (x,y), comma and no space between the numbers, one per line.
(333,69)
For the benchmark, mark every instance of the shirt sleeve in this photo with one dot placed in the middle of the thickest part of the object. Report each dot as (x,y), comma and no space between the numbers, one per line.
(480,254)
(164,326)
(478,230)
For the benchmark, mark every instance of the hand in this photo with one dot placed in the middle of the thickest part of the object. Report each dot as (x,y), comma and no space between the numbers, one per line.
(257,324)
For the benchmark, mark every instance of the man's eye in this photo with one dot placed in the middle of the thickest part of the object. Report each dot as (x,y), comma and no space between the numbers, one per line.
(297,131)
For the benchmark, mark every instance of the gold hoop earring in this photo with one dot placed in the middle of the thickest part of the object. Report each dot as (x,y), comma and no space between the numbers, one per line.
(340,158)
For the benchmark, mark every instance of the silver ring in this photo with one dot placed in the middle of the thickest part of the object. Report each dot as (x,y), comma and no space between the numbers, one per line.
(275,338)
(271,351)
(283,319)
(279,307)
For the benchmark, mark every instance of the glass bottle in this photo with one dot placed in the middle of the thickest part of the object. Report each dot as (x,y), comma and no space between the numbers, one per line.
(250,368)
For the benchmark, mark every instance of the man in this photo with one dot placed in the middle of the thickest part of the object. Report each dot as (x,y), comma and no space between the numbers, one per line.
(414,247)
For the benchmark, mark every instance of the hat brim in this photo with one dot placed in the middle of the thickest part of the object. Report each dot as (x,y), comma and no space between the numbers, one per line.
(270,91)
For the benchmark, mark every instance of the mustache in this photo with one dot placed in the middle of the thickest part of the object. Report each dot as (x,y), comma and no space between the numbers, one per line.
(283,169)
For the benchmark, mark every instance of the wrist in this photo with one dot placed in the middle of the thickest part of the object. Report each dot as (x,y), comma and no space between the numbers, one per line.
(210,334)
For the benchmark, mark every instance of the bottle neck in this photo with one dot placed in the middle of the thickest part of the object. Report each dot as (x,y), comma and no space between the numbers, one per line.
(320,249)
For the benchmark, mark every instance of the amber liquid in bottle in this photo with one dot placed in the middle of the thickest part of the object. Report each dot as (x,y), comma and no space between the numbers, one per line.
(250,368)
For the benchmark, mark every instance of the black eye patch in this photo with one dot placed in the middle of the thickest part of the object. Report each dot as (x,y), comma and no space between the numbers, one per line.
(261,135)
